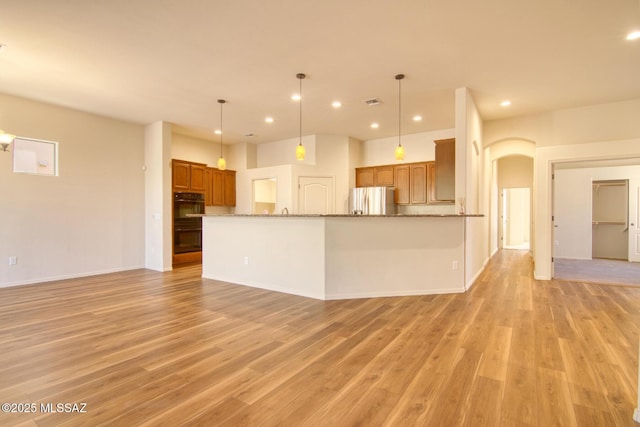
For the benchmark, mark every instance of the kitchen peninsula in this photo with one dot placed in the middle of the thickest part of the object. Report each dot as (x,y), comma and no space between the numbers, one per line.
(338,256)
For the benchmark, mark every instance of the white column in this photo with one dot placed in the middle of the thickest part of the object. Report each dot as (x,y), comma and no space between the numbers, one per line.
(157,190)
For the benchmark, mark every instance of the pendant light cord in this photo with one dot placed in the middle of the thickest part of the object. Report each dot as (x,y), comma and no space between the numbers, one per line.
(399,111)
(221,101)
(300,77)
(399,78)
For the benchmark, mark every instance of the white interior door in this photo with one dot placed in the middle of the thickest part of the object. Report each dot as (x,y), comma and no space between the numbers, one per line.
(634,220)
(315,195)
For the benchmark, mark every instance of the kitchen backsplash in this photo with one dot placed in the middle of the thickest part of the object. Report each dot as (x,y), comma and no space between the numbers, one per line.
(426,209)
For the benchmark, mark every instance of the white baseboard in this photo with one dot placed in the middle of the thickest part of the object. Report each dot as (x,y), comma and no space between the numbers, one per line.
(41,280)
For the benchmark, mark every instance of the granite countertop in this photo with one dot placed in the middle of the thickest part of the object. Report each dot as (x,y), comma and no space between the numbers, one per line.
(346,216)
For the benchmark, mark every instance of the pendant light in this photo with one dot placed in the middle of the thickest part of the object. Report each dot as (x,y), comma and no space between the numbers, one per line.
(399,153)
(300,151)
(5,140)
(222,164)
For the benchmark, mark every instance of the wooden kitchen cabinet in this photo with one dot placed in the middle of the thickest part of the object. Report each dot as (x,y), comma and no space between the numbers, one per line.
(411,184)
(418,183)
(402,192)
(377,176)
(445,169)
(364,177)
(229,188)
(197,177)
(181,172)
(188,176)
(221,187)
(431,186)
(383,176)
(414,183)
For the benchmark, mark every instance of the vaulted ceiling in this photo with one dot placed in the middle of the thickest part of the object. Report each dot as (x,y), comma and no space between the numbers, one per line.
(150,60)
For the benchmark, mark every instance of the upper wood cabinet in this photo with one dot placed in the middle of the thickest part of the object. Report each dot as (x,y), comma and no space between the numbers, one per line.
(364,177)
(431,186)
(414,183)
(188,176)
(411,184)
(402,192)
(418,183)
(221,187)
(376,176)
(445,169)
(229,188)
(383,176)
(197,177)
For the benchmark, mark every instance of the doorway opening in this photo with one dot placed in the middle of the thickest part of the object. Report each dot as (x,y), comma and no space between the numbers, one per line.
(264,196)
(516,218)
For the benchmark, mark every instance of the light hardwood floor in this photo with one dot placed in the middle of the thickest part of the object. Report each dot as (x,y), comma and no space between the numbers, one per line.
(148,348)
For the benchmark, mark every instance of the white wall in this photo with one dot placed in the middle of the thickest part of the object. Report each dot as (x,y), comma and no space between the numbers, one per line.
(284,152)
(198,150)
(587,133)
(546,157)
(515,172)
(326,155)
(573,206)
(595,123)
(284,184)
(336,258)
(469,183)
(419,147)
(87,220)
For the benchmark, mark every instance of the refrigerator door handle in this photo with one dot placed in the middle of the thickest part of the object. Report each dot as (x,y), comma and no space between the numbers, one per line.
(365,206)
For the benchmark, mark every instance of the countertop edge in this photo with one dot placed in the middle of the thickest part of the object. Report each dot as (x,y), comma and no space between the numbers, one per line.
(342,216)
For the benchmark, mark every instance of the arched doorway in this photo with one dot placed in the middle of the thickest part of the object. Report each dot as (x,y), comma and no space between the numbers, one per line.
(511,189)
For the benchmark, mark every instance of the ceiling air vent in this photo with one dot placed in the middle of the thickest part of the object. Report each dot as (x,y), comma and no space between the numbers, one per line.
(372,102)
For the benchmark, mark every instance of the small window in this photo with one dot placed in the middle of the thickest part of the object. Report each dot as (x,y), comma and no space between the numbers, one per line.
(35,156)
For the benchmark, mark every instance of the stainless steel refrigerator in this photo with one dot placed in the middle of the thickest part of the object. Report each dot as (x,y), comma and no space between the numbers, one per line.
(372,201)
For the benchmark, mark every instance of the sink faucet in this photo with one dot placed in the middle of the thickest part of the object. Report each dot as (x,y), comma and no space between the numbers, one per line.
(285,211)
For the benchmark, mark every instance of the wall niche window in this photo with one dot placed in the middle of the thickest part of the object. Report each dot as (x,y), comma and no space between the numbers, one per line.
(35,156)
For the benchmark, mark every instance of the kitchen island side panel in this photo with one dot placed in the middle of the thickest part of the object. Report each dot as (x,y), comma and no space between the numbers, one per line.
(376,257)
(284,254)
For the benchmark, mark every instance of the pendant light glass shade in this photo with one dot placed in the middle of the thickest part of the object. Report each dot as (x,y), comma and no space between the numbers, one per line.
(5,140)
(222,163)
(300,151)
(399,153)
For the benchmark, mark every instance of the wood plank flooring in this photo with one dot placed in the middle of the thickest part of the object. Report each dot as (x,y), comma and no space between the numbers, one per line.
(156,349)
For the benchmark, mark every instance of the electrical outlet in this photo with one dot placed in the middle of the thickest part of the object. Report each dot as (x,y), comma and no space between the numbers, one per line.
(13,260)
(246,260)
(454,265)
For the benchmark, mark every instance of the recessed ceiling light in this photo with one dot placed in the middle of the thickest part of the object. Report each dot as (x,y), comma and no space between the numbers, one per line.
(505,103)
(269,119)
(218,132)
(336,104)
(375,125)
(295,97)
(417,118)
(634,35)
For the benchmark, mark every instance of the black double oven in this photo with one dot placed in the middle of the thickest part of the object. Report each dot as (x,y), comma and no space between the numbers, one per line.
(187,229)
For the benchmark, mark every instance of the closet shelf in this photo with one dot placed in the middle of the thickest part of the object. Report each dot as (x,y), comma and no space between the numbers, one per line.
(609,223)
